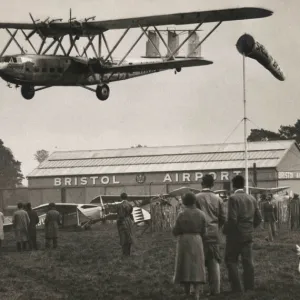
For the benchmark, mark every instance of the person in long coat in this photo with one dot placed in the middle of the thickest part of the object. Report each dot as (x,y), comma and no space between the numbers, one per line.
(34,220)
(20,222)
(294,206)
(190,228)
(52,222)
(1,228)
(270,217)
(124,223)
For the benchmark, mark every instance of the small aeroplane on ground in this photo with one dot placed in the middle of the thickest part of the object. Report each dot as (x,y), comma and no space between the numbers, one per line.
(81,215)
(276,192)
(41,70)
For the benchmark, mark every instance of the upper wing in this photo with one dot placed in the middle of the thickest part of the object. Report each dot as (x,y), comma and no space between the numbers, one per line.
(94,27)
(232,14)
(268,190)
(183,190)
(150,66)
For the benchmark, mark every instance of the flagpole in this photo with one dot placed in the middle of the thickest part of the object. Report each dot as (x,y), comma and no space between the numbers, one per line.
(245,126)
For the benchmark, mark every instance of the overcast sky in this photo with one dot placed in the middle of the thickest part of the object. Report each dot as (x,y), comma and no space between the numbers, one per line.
(199,105)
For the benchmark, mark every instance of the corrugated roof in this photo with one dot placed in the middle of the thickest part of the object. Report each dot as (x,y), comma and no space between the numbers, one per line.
(170,150)
(162,159)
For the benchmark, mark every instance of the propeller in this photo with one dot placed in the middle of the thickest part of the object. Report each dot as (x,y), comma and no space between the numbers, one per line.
(35,23)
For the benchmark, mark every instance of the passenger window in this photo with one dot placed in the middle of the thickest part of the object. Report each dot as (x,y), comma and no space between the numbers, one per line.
(27,70)
(44,70)
(52,70)
(59,70)
(36,69)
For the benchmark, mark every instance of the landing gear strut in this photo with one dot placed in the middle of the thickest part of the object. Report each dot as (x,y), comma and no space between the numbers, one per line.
(102,92)
(27,91)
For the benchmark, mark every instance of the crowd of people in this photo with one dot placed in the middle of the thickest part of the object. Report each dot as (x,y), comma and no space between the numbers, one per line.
(24,222)
(199,227)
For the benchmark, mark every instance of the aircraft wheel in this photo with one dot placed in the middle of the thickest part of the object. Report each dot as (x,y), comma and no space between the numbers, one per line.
(27,91)
(178,69)
(102,92)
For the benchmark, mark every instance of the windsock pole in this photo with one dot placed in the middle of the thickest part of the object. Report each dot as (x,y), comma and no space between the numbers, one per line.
(245,125)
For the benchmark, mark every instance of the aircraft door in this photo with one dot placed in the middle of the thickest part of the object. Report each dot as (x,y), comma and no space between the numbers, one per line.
(29,70)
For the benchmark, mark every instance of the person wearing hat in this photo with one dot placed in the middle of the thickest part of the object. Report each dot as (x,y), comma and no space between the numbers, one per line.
(52,221)
(124,223)
(34,220)
(190,230)
(213,207)
(270,217)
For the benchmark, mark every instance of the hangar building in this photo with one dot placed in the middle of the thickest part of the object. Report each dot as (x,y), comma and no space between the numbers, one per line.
(79,176)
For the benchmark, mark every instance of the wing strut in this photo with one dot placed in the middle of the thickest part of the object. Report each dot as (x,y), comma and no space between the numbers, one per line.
(106,44)
(117,44)
(185,40)
(29,41)
(164,42)
(151,42)
(88,45)
(9,42)
(132,47)
(204,39)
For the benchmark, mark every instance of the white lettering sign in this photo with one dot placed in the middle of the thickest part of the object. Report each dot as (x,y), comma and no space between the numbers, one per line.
(167,178)
(197,176)
(68,181)
(105,180)
(82,181)
(224,176)
(288,175)
(57,181)
(186,177)
(94,179)
(115,181)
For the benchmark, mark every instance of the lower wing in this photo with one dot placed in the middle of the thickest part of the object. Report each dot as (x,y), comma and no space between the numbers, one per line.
(150,66)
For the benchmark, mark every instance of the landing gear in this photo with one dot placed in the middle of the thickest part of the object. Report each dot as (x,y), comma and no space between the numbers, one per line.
(102,92)
(177,70)
(27,91)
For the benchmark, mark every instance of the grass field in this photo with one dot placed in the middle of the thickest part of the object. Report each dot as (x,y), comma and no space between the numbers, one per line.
(88,265)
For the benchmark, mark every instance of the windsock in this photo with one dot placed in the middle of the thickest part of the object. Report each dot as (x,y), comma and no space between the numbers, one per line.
(247,46)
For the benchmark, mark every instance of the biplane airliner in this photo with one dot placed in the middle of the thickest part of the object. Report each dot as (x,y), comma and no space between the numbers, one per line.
(40,69)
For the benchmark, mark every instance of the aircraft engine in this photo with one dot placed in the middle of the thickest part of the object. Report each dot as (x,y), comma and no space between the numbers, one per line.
(246,45)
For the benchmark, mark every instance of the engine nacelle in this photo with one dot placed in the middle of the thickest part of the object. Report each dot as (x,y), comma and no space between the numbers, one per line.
(247,46)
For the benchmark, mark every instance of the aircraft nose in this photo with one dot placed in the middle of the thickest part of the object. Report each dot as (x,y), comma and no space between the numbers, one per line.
(3,66)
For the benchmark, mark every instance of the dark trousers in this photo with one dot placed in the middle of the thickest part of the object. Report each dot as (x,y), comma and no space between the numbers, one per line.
(21,246)
(126,249)
(232,252)
(294,222)
(48,242)
(32,241)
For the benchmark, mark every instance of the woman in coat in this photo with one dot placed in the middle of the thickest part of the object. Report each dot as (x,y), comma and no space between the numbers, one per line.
(190,228)
(52,221)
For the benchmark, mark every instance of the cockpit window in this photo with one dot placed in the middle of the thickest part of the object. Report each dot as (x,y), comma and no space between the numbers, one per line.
(8,59)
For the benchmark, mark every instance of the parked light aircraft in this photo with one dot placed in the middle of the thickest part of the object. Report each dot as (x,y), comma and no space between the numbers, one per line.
(82,215)
(40,70)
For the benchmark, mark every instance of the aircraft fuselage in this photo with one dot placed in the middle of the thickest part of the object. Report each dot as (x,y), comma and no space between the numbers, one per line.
(53,70)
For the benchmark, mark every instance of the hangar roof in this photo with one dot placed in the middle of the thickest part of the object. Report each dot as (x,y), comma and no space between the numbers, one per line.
(161,159)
